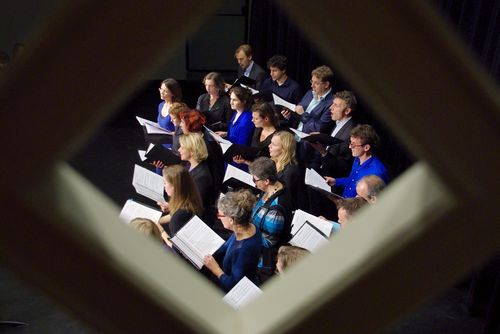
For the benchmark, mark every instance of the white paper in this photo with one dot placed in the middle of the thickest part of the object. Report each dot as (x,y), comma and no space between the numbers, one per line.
(142,153)
(314,179)
(308,237)
(156,129)
(254,91)
(218,138)
(148,183)
(196,240)
(238,174)
(280,102)
(132,210)
(225,147)
(300,134)
(301,217)
(242,293)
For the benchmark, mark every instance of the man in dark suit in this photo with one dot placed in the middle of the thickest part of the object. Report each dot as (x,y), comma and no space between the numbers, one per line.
(337,159)
(313,112)
(247,66)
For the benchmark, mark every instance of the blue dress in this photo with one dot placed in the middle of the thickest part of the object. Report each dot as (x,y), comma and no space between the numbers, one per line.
(240,259)
(165,122)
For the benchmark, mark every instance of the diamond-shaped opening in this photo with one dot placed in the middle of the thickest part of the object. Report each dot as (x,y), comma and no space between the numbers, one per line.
(75,190)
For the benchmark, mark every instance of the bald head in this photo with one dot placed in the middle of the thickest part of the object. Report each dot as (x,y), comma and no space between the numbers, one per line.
(369,187)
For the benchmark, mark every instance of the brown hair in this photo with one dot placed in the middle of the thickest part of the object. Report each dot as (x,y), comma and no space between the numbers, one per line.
(351,205)
(218,80)
(288,255)
(185,195)
(174,87)
(367,135)
(265,110)
(348,97)
(324,73)
(247,50)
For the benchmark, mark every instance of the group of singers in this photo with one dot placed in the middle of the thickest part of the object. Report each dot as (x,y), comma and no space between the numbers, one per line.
(260,224)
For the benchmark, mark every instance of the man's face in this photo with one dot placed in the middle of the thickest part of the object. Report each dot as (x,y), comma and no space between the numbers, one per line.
(276,73)
(319,87)
(339,109)
(358,148)
(243,60)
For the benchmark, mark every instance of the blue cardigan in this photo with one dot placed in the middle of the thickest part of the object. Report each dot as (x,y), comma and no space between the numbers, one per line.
(242,130)
(241,258)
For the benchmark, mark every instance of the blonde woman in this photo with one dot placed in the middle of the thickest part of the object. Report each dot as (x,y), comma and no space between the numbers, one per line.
(282,151)
(194,150)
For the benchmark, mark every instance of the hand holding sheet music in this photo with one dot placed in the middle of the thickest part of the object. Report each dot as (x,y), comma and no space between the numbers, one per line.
(195,240)
(314,179)
(281,102)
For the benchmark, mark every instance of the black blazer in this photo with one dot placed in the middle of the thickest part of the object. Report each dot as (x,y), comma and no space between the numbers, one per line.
(338,160)
(220,111)
(257,73)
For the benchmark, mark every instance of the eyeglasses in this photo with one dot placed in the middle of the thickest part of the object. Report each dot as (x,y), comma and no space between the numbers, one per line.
(355,145)
(256,180)
(316,83)
(220,215)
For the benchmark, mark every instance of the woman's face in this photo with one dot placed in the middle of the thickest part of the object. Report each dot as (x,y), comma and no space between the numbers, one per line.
(165,93)
(227,222)
(276,147)
(176,121)
(184,127)
(257,120)
(169,188)
(236,103)
(211,88)
(185,153)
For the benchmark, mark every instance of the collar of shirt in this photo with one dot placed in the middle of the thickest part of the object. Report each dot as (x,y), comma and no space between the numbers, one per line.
(322,96)
(339,124)
(248,69)
(285,84)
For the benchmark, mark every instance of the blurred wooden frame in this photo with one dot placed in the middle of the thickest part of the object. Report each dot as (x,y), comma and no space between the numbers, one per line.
(432,225)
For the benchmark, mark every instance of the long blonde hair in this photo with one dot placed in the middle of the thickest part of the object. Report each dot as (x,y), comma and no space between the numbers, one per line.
(287,155)
(185,195)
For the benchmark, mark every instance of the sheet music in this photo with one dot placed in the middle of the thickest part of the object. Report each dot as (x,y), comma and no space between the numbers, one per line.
(280,102)
(156,129)
(238,174)
(148,183)
(242,293)
(314,179)
(132,210)
(308,237)
(300,134)
(218,138)
(301,217)
(143,122)
(254,91)
(196,239)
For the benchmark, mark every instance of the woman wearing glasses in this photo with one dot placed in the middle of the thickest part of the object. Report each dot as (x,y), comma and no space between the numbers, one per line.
(239,255)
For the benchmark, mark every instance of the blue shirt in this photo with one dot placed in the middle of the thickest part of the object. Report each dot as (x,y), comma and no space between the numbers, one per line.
(372,166)
(289,90)
(240,259)
(241,131)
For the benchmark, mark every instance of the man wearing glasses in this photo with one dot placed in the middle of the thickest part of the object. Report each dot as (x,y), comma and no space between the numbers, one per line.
(313,111)
(363,141)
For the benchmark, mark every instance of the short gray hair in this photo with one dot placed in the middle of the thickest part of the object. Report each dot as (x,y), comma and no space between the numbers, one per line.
(238,205)
(264,169)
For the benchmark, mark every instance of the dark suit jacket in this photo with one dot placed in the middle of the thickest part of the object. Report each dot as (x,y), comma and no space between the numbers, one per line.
(220,111)
(257,73)
(319,119)
(338,160)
